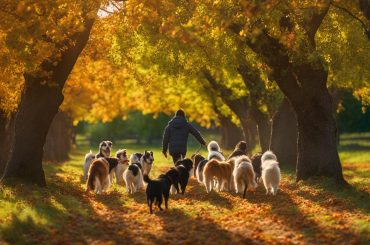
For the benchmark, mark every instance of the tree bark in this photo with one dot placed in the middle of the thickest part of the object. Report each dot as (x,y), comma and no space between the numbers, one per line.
(239,105)
(40,101)
(256,88)
(284,134)
(59,139)
(304,83)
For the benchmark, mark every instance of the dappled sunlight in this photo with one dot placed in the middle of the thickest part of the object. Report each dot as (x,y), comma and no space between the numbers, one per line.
(304,212)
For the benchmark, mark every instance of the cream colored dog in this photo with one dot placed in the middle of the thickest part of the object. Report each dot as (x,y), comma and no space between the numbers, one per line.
(270,172)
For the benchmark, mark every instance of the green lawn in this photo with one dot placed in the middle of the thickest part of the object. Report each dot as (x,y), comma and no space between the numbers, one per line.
(313,212)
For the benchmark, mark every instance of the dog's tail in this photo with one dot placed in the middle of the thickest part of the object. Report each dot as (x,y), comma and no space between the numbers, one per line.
(147,179)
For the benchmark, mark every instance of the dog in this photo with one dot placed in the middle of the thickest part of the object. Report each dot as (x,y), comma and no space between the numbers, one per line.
(241,149)
(256,163)
(133,177)
(146,160)
(156,190)
(104,151)
(214,151)
(99,172)
(270,172)
(199,163)
(121,167)
(221,171)
(183,168)
(244,176)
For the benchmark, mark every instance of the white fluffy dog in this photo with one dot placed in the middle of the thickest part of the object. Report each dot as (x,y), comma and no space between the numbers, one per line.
(244,176)
(214,151)
(270,172)
(89,157)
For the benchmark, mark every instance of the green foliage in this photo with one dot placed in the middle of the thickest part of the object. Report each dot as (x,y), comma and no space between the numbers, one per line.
(353,116)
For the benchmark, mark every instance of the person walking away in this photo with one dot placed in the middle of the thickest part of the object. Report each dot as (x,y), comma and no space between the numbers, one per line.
(175,137)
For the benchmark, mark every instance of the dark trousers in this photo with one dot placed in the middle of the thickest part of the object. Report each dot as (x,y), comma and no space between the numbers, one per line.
(178,156)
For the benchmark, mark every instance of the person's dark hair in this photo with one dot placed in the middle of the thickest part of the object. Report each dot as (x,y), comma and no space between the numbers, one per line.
(180,112)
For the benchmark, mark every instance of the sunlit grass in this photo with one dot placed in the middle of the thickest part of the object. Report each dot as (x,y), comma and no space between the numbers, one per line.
(314,211)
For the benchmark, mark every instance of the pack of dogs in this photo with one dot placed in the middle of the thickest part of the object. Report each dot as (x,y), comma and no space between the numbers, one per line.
(235,173)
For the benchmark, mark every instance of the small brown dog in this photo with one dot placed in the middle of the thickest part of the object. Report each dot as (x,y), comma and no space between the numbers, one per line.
(221,171)
(241,149)
(244,176)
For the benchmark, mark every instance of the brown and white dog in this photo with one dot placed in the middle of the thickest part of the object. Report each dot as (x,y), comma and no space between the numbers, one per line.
(241,149)
(221,171)
(244,176)
(104,151)
(99,172)
(121,167)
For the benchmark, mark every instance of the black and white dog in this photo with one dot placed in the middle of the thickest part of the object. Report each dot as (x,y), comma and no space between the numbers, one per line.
(199,163)
(104,151)
(141,164)
(146,160)
(184,169)
(157,189)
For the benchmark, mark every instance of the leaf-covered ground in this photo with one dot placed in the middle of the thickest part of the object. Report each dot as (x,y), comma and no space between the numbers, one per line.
(311,212)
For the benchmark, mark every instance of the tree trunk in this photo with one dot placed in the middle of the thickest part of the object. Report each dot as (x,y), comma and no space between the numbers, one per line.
(59,139)
(40,101)
(284,135)
(6,134)
(230,133)
(317,137)
(263,128)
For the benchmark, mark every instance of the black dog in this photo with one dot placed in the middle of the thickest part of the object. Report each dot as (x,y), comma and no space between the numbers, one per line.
(256,163)
(183,167)
(156,190)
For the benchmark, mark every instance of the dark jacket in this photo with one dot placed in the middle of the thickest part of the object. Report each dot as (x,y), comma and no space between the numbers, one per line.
(176,135)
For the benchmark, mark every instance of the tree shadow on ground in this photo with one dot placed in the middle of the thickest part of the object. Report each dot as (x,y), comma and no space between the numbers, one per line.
(197,192)
(65,215)
(179,228)
(286,210)
(331,196)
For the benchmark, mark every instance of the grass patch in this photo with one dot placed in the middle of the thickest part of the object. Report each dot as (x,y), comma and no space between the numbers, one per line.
(314,211)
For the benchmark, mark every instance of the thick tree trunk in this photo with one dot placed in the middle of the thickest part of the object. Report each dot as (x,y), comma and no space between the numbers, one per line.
(284,136)
(317,138)
(59,139)
(231,134)
(40,101)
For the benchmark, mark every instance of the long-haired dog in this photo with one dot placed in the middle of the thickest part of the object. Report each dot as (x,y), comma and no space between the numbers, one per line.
(241,149)
(214,151)
(270,172)
(219,170)
(133,177)
(104,151)
(98,178)
(256,163)
(121,167)
(199,163)
(146,160)
(156,190)
(184,168)
(244,176)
